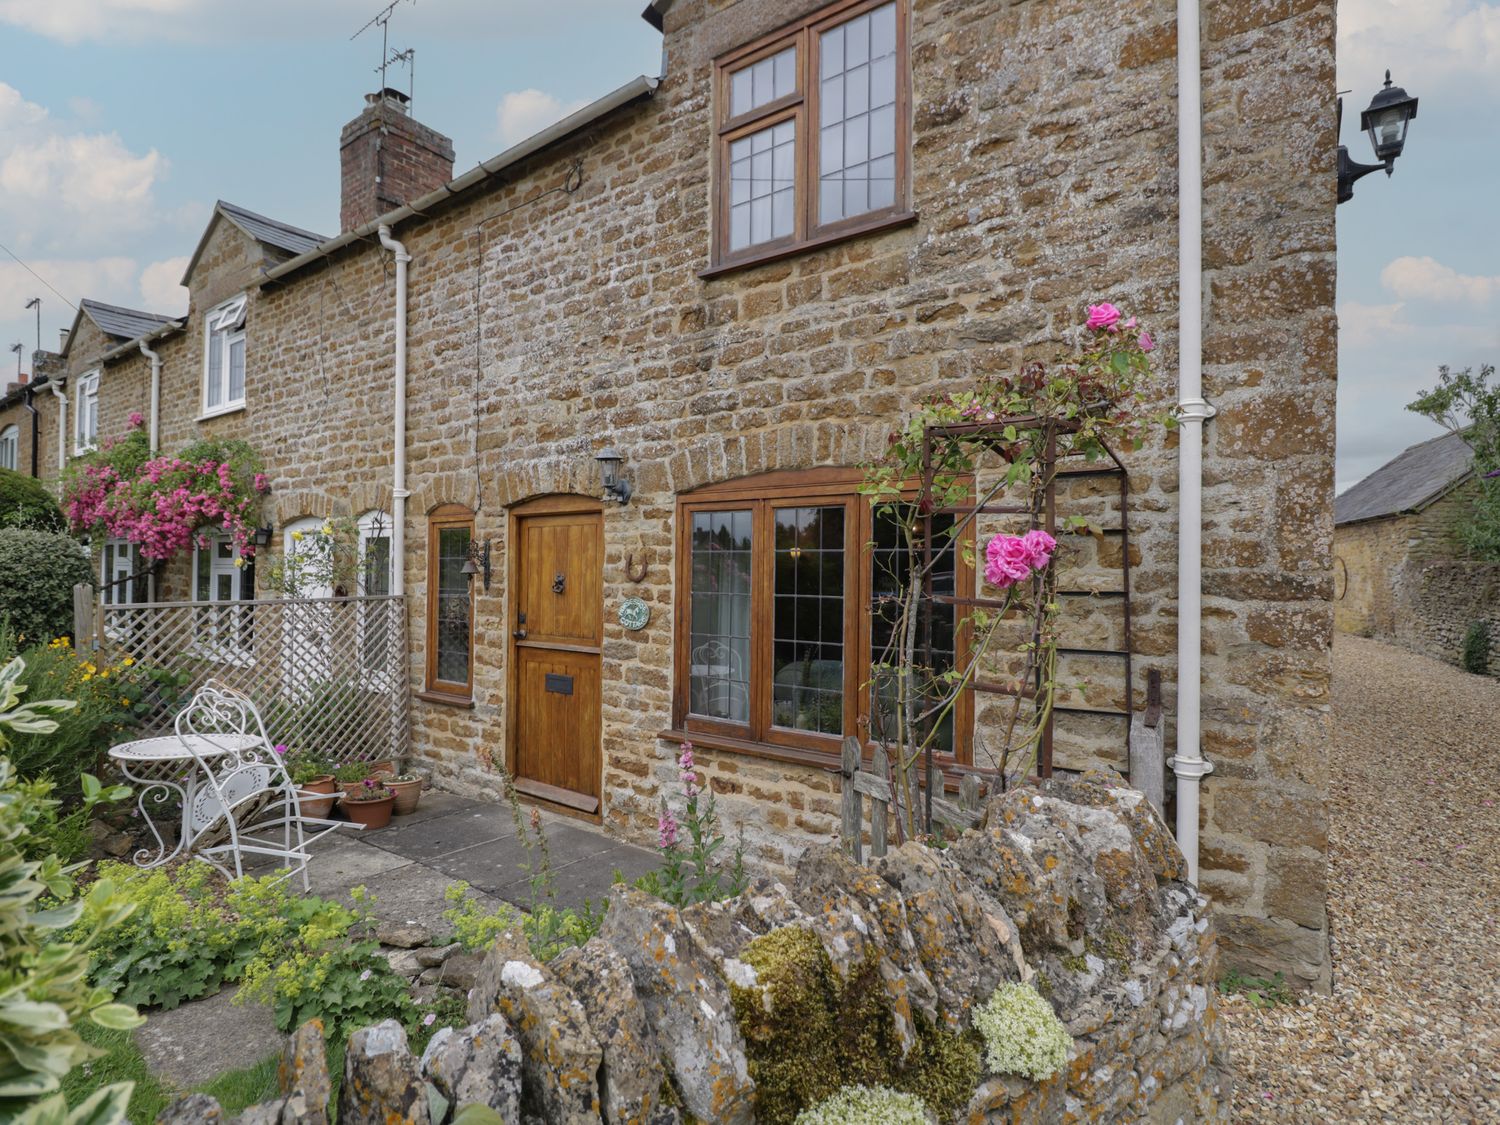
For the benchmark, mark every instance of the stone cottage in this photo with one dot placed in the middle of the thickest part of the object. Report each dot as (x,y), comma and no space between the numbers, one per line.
(740,275)
(1400,572)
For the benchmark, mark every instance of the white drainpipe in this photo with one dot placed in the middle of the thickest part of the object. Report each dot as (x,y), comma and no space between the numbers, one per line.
(398,427)
(1188,763)
(155,429)
(62,422)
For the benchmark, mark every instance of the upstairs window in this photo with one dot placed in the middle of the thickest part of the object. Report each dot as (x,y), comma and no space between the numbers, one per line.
(10,447)
(224,357)
(813,132)
(86,413)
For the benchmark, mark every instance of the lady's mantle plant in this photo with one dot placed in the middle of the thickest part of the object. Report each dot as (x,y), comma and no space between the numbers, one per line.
(164,504)
(1022,1034)
(1015,432)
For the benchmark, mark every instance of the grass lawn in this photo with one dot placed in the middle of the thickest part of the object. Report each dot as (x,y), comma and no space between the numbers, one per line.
(235,1089)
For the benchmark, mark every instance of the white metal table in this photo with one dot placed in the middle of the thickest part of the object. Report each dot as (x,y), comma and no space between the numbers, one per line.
(168,764)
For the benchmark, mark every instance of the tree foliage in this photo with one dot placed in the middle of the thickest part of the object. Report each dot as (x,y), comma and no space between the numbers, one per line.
(1468,404)
(26,503)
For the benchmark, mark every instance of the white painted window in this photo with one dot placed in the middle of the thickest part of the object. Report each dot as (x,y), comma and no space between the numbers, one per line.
(10,447)
(122,560)
(375,554)
(86,413)
(224,357)
(375,577)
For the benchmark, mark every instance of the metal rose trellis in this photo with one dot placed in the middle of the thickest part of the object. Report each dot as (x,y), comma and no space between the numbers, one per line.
(982,464)
(166,503)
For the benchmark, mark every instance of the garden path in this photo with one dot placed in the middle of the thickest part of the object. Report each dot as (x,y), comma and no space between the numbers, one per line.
(1411,1032)
(406,867)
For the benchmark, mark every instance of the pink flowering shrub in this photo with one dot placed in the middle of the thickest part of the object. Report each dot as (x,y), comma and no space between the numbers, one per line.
(166,503)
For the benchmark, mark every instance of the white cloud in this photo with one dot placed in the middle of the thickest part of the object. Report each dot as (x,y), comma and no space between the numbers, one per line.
(68,191)
(1426,279)
(1425,43)
(107,279)
(162,289)
(524,112)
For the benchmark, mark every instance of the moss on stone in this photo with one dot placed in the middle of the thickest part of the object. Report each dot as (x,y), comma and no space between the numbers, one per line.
(808,1032)
(1076,963)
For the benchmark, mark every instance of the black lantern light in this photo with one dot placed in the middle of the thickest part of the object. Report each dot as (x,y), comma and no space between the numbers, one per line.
(263,536)
(616,488)
(1390,112)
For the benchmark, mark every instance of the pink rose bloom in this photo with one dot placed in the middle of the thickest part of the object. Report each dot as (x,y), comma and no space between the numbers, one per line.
(1039,546)
(1102,317)
(1007,561)
(137,420)
(1146,342)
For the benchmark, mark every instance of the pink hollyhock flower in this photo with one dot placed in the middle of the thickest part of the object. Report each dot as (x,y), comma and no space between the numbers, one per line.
(1146,342)
(1102,318)
(666,830)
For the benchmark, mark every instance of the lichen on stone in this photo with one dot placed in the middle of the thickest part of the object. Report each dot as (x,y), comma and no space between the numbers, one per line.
(1022,1034)
(866,1105)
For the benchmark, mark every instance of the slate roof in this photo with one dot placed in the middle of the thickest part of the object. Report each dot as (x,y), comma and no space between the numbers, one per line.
(273,232)
(1414,479)
(122,323)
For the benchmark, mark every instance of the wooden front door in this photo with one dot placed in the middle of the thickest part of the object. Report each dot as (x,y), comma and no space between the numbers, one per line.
(557,628)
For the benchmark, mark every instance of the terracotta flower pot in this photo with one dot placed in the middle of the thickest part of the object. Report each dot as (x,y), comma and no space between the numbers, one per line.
(318,807)
(385,765)
(372,814)
(406,793)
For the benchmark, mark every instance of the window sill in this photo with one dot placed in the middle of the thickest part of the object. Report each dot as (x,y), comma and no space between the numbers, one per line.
(871,226)
(220,411)
(826,760)
(447,699)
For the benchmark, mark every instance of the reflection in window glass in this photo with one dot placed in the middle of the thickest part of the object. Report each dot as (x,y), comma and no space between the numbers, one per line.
(755,85)
(719,616)
(891,566)
(452,665)
(762,186)
(857,115)
(808,632)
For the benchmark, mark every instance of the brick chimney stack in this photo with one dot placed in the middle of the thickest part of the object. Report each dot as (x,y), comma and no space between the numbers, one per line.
(387,158)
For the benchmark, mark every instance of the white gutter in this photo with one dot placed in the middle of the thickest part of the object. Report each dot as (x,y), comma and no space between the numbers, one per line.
(398,422)
(1193,411)
(62,422)
(150,337)
(633,90)
(155,428)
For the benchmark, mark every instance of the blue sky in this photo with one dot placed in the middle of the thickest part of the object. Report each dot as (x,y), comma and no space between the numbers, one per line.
(121,121)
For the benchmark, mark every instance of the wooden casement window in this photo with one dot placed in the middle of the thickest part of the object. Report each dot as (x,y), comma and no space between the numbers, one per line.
(814,133)
(780,620)
(450,605)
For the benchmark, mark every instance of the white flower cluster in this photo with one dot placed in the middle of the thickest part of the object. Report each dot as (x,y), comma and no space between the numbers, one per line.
(1022,1034)
(867,1105)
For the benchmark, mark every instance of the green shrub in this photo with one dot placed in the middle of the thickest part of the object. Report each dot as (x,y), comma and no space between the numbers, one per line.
(38,570)
(107,697)
(45,948)
(26,503)
(1477,648)
(1022,1034)
(548,929)
(867,1105)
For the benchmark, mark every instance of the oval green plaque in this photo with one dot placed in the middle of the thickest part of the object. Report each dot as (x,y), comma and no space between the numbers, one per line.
(634,613)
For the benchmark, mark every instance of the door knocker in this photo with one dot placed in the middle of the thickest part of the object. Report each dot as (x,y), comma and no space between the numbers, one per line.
(634,573)
(559,583)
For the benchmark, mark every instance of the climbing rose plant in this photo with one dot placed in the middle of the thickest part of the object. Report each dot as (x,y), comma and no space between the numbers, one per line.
(164,504)
(1016,430)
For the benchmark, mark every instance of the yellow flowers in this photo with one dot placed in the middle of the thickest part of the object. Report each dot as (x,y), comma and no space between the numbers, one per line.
(239,564)
(127,662)
(297,536)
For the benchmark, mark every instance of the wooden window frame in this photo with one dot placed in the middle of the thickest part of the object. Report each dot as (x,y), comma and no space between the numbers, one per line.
(801,107)
(762,495)
(444,518)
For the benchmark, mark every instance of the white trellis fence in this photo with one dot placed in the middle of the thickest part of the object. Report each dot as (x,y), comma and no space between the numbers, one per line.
(329,675)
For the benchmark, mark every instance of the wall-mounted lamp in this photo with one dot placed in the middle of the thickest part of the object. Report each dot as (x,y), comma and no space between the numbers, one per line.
(263,536)
(478,562)
(616,488)
(1391,110)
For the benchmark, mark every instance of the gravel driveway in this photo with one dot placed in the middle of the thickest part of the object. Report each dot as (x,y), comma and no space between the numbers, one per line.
(1412,1030)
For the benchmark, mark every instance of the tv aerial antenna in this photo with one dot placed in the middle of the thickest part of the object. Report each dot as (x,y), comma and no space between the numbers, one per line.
(388,56)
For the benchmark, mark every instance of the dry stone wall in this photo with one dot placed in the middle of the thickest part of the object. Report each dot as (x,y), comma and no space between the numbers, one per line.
(751,1009)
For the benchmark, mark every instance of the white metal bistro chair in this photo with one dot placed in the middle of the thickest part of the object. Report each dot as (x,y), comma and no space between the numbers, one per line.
(243,801)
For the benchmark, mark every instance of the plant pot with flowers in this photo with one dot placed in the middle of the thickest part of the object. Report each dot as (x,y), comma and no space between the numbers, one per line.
(407,788)
(311,774)
(352,775)
(370,805)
